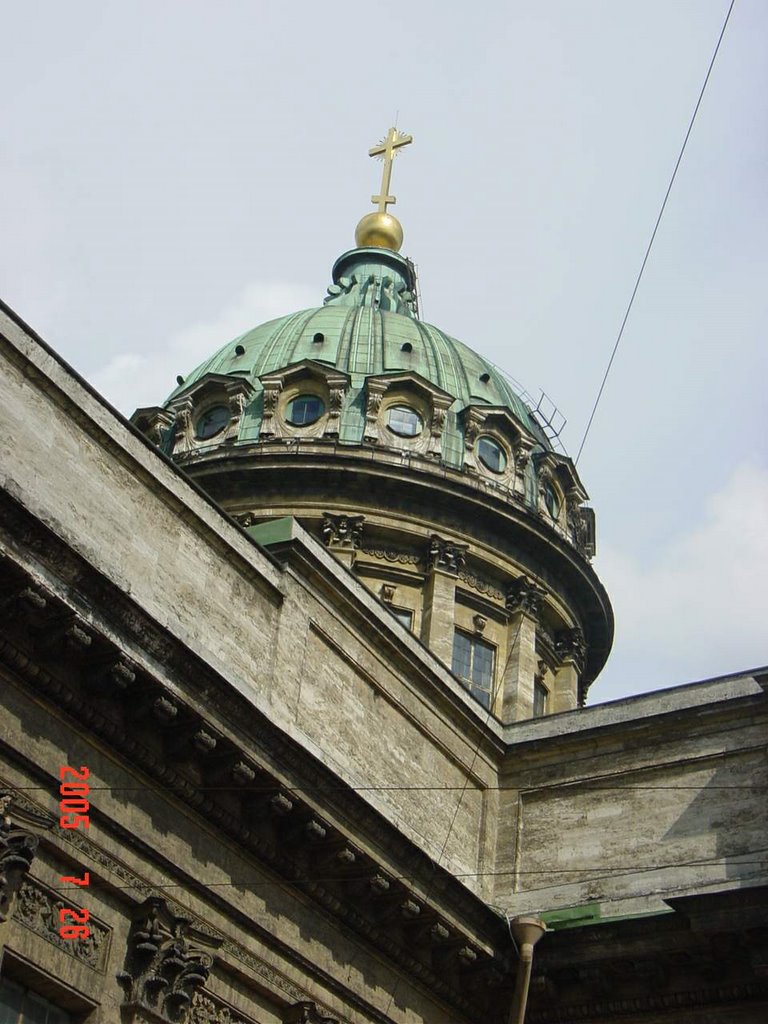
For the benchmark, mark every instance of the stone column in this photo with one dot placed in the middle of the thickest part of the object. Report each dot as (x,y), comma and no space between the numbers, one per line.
(343,535)
(444,559)
(570,649)
(523,602)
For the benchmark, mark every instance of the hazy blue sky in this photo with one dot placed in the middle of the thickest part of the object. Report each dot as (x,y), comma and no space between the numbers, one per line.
(173,173)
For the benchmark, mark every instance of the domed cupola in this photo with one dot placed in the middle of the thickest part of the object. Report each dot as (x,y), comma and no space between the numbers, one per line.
(417,463)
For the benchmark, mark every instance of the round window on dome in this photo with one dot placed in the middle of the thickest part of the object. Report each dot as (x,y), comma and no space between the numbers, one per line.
(491,454)
(551,500)
(212,422)
(304,409)
(405,421)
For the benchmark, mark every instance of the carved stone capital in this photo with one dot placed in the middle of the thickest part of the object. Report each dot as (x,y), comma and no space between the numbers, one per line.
(571,646)
(446,554)
(163,969)
(525,596)
(17,850)
(342,530)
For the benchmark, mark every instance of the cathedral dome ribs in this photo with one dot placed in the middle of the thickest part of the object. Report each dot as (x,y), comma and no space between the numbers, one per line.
(360,411)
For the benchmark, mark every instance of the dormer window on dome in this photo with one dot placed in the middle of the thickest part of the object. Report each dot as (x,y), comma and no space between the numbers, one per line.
(491,454)
(212,422)
(404,421)
(304,410)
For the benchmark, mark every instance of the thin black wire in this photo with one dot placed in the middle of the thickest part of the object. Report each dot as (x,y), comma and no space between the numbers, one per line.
(653,236)
(299,790)
(605,872)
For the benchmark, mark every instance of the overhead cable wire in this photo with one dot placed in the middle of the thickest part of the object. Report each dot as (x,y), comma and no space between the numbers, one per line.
(653,236)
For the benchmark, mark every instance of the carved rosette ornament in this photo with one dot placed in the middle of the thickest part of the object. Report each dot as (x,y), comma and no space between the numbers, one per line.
(446,555)
(525,596)
(164,971)
(570,645)
(342,531)
(17,850)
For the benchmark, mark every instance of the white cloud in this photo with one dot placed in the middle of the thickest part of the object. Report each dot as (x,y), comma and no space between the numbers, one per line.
(699,608)
(133,379)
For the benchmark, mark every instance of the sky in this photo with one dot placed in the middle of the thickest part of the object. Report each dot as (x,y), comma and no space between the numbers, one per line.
(174,173)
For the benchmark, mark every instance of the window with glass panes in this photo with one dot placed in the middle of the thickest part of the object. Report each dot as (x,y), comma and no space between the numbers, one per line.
(404,615)
(20,1006)
(474,661)
(540,694)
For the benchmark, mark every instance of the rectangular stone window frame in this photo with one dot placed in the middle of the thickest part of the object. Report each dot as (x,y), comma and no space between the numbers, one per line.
(540,699)
(404,616)
(474,662)
(63,1004)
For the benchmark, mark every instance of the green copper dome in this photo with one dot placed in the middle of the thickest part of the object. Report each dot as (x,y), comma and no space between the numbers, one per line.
(367,327)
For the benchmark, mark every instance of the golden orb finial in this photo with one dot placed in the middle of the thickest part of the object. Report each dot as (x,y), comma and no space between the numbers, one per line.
(381,229)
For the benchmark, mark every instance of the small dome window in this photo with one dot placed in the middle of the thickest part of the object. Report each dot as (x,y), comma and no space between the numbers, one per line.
(405,421)
(239,350)
(551,500)
(304,409)
(318,339)
(406,347)
(485,377)
(491,454)
(212,422)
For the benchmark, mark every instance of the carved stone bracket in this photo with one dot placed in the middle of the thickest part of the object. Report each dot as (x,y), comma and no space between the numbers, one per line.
(272,389)
(17,850)
(374,393)
(154,422)
(446,554)
(307,1013)
(342,530)
(570,645)
(164,970)
(525,596)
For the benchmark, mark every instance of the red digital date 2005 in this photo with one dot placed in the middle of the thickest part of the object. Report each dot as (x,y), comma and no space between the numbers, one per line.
(74,808)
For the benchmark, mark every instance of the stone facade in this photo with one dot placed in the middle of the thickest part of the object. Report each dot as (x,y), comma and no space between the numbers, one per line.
(296,811)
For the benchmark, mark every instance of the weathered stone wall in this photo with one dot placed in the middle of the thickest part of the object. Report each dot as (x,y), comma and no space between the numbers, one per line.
(113,500)
(629,803)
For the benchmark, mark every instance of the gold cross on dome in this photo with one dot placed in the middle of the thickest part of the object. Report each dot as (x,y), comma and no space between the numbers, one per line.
(388,149)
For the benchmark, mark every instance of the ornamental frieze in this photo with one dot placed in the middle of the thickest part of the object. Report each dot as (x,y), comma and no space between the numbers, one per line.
(479,584)
(37,908)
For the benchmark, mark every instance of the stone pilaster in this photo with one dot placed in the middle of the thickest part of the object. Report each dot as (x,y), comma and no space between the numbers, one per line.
(570,649)
(523,601)
(445,559)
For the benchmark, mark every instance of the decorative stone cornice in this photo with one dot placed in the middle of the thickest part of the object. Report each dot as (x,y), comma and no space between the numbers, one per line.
(447,555)
(273,823)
